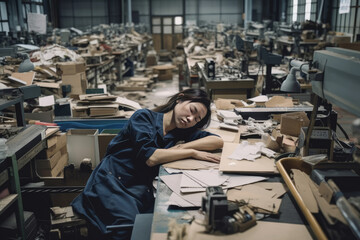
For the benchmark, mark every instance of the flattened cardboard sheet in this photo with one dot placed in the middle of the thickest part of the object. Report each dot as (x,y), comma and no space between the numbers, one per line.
(262,165)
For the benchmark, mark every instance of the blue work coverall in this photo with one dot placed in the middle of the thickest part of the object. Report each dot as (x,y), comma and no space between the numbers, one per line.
(121,185)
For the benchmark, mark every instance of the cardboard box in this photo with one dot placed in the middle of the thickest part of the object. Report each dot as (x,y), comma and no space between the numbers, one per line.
(338,39)
(57,170)
(83,143)
(80,111)
(48,163)
(70,68)
(105,138)
(77,81)
(60,139)
(291,123)
(288,144)
(47,116)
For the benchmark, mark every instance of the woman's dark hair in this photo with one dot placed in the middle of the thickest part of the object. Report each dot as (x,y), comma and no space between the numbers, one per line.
(192,95)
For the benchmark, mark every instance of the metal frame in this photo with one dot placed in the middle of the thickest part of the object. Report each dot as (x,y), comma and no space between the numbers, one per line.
(340,85)
(7,13)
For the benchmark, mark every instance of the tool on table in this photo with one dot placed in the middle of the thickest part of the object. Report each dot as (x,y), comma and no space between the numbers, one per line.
(228,217)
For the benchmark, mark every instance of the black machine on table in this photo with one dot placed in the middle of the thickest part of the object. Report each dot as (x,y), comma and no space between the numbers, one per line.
(225,216)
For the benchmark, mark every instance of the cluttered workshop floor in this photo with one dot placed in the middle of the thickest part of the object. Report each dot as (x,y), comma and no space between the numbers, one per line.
(156,96)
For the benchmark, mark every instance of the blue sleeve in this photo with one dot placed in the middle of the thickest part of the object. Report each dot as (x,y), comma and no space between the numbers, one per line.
(142,132)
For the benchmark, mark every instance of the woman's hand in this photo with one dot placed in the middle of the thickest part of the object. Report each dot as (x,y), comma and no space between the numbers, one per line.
(206,156)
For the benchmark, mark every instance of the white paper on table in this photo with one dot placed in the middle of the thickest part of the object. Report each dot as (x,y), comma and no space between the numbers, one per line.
(187,182)
(176,200)
(238,180)
(261,98)
(194,199)
(173,170)
(172,181)
(207,177)
(228,114)
(192,190)
(246,151)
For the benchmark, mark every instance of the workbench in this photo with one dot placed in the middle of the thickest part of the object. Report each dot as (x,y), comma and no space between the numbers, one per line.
(307,45)
(240,88)
(120,57)
(94,71)
(163,213)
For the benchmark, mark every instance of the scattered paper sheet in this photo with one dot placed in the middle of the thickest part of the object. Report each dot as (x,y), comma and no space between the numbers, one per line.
(247,151)
(262,165)
(277,187)
(25,78)
(239,180)
(279,101)
(257,197)
(176,200)
(262,230)
(187,182)
(46,101)
(207,177)
(261,98)
(128,103)
(189,194)
(228,114)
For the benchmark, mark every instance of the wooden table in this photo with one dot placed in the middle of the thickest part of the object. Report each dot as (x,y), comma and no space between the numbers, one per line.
(238,89)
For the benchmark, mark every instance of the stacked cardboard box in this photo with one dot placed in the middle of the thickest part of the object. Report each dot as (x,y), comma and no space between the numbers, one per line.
(51,161)
(73,73)
(96,105)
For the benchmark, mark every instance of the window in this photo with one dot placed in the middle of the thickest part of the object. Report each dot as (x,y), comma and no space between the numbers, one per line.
(4,20)
(178,20)
(307,9)
(295,10)
(33,6)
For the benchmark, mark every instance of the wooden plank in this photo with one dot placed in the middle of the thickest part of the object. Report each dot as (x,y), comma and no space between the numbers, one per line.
(6,202)
(304,189)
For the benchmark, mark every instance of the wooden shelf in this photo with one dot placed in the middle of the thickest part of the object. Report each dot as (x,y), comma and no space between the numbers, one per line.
(6,202)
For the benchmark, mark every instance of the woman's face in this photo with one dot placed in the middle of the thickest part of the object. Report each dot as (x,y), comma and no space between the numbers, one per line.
(187,114)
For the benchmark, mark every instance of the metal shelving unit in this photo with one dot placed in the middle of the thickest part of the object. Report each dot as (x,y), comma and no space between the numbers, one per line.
(21,149)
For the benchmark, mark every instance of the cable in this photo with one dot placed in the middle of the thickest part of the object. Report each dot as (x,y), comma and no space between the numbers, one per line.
(343,131)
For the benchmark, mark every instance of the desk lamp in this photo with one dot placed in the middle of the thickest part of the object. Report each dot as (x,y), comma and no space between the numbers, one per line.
(291,84)
(26,65)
